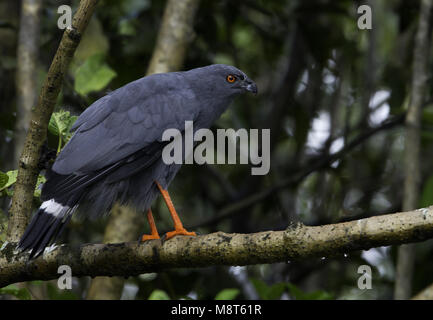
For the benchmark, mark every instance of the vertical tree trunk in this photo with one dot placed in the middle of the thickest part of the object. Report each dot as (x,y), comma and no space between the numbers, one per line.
(174,35)
(405,262)
(26,74)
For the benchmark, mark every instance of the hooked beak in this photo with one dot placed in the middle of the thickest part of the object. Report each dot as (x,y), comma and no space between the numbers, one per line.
(250,86)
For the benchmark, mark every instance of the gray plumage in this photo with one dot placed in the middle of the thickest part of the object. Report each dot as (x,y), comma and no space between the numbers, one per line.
(115,152)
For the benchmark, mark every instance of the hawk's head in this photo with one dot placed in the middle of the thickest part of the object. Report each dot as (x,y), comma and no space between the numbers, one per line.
(222,79)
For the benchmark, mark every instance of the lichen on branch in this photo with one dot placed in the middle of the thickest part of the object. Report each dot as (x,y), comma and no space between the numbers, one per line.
(295,243)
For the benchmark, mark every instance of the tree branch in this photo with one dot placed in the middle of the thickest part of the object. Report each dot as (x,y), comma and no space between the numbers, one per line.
(295,243)
(36,135)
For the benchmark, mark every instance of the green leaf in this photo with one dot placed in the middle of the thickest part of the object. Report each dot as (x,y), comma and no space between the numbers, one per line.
(93,75)
(260,287)
(319,295)
(61,122)
(3,179)
(68,133)
(38,189)
(60,125)
(298,294)
(12,178)
(268,292)
(158,295)
(13,290)
(227,294)
(56,124)
(275,291)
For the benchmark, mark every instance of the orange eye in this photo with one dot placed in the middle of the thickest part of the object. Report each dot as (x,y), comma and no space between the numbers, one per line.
(231,78)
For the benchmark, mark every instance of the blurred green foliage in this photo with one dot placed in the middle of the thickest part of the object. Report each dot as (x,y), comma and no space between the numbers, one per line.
(93,75)
(159,295)
(323,84)
(269,292)
(227,294)
(13,290)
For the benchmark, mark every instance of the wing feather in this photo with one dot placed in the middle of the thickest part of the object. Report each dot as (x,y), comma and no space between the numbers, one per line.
(127,120)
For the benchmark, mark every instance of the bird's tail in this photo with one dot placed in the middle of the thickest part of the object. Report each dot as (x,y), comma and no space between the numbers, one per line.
(46,225)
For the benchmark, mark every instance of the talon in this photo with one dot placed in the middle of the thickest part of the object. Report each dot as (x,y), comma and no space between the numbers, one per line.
(153,231)
(146,237)
(178,226)
(182,232)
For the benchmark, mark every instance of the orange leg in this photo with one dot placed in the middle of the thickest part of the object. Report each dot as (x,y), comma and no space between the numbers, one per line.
(153,231)
(178,226)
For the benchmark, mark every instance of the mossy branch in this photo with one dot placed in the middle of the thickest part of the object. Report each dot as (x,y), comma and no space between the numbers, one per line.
(295,243)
